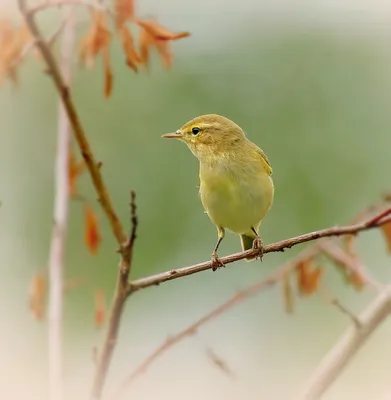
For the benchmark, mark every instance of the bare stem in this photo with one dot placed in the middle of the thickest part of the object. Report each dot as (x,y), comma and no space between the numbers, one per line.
(120,296)
(274,247)
(58,241)
(347,347)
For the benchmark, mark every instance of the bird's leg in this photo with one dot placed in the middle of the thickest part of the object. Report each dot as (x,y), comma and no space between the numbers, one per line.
(258,244)
(216,262)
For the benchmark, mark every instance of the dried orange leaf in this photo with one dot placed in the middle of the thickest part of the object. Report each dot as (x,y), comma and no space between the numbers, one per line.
(37,295)
(314,280)
(146,41)
(287,293)
(164,50)
(97,39)
(386,230)
(302,271)
(107,71)
(124,11)
(350,242)
(100,308)
(132,57)
(307,277)
(159,32)
(91,230)
(356,280)
(349,265)
(74,170)
(12,43)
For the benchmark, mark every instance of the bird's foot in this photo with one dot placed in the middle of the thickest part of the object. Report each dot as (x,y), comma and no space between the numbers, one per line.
(258,245)
(216,262)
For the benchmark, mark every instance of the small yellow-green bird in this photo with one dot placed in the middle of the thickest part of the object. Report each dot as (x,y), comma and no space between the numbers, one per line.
(236,187)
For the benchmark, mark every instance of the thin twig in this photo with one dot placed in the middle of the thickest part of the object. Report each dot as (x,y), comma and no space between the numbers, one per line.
(50,40)
(337,303)
(120,297)
(347,347)
(274,247)
(57,247)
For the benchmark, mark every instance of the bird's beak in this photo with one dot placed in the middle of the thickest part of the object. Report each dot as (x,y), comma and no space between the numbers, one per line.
(177,135)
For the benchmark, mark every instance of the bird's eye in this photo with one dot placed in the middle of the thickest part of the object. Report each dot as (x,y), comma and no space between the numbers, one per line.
(195,131)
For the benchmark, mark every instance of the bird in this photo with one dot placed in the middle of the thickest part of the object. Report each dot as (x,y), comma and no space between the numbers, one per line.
(236,187)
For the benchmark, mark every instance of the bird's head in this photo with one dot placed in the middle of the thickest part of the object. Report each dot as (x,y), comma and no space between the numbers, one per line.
(209,135)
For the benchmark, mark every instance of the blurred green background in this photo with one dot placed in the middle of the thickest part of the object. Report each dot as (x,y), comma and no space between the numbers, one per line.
(310,83)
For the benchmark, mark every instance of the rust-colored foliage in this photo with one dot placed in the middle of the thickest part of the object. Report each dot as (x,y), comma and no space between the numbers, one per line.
(287,293)
(91,230)
(100,308)
(132,57)
(356,280)
(146,41)
(350,242)
(107,71)
(386,230)
(96,41)
(74,170)
(124,11)
(164,49)
(37,295)
(12,43)
(154,35)
(159,32)
(349,265)
(308,277)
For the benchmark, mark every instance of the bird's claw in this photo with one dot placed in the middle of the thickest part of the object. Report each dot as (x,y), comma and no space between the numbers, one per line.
(258,245)
(216,262)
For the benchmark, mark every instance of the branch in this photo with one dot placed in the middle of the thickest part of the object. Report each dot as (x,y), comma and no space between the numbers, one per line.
(52,38)
(157,279)
(353,339)
(120,297)
(57,247)
(78,130)
(238,298)
(252,290)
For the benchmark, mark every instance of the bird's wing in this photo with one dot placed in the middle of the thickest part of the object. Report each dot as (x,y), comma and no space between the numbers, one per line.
(260,155)
(266,162)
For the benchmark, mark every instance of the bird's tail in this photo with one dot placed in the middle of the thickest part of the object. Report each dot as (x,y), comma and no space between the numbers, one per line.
(247,242)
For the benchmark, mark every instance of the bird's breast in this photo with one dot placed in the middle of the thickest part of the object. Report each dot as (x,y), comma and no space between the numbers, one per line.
(235,196)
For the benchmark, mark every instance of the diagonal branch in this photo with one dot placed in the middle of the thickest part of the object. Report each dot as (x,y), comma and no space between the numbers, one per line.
(350,343)
(78,130)
(157,279)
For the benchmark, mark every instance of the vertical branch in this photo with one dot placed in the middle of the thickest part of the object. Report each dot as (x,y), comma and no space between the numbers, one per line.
(120,295)
(58,241)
